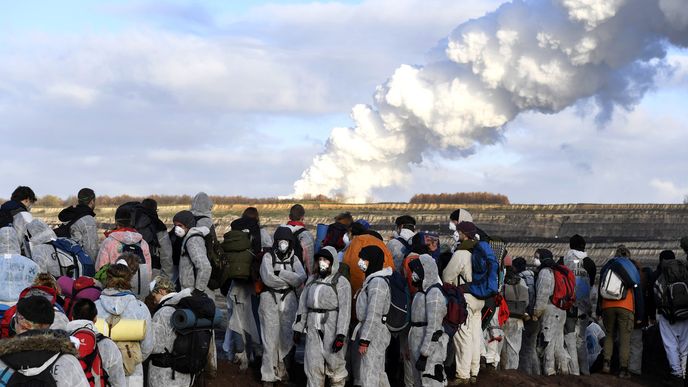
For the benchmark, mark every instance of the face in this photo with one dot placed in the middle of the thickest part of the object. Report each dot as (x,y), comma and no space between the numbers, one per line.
(178,224)
(159,295)
(92,204)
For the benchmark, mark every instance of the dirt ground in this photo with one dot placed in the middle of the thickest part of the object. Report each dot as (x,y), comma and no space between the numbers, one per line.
(229,375)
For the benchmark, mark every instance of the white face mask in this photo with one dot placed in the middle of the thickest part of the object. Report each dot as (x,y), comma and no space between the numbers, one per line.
(456,236)
(323,265)
(536,262)
(452,226)
(283,246)
(415,277)
(346,240)
(178,231)
(362,265)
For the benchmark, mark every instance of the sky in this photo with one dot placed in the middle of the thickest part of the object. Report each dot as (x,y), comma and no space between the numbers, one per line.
(237,97)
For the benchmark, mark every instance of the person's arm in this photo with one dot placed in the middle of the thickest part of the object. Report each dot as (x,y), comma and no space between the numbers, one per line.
(149,338)
(435,310)
(301,322)
(67,372)
(544,290)
(344,302)
(378,305)
(451,272)
(195,249)
(112,363)
(166,264)
(267,273)
(104,253)
(294,278)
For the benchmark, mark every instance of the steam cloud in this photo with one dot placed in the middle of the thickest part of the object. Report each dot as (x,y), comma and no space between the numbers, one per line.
(538,55)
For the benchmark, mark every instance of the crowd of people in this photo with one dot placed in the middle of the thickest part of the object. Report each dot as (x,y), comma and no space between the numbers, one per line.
(341,305)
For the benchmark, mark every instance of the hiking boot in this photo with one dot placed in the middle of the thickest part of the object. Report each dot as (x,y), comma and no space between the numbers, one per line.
(473,379)
(605,367)
(459,382)
(623,374)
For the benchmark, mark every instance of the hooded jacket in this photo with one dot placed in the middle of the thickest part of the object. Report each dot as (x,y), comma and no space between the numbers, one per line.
(84,230)
(40,347)
(114,302)
(110,355)
(201,207)
(20,218)
(429,306)
(111,249)
(164,334)
(307,245)
(351,258)
(194,267)
(372,303)
(42,251)
(16,271)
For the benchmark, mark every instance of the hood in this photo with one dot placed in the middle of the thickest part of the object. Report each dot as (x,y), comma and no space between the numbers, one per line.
(201,230)
(76,324)
(126,237)
(13,207)
(380,273)
(147,217)
(9,242)
(332,253)
(115,302)
(75,212)
(406,234)
(38,340)
(430,272)
(201,205)
(573,258)
(40,232)
(174,298)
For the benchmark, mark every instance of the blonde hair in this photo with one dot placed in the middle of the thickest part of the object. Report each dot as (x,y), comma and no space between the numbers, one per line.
(47,280)
(163,283)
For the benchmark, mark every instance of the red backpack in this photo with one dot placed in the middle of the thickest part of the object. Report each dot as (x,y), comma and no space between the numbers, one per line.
(7,322)
(83,287)
(564,287)
(89,357)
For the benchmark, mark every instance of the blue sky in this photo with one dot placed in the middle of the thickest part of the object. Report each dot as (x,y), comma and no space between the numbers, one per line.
(237,97)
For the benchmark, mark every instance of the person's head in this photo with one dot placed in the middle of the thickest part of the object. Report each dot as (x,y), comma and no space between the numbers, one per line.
(344,218)
(666,255)
(622,251)
(47,280)
(458,216)
(251,212)
(150,204)
(118,277)
(371,259)
(131,260)
(684,244)
(123,215)
(25,196)
(542,255)
(33,312)
(283,242)
(183,222)
(467,230)
(326,258)
(84,309)
(160,287)
(405,222)
(418,244)
(518,264)
(297,213)
(336,236)
(577,242)
(86,197)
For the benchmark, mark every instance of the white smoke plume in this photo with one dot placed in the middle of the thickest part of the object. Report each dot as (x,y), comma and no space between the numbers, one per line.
(538,55)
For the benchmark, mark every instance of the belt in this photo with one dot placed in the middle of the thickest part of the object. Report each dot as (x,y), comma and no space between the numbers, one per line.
(419,324)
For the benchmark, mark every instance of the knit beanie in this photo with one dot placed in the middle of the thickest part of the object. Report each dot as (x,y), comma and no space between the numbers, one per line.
(36,309)
(186,218)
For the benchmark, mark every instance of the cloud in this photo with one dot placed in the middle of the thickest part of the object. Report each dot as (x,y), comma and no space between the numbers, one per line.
(668,190)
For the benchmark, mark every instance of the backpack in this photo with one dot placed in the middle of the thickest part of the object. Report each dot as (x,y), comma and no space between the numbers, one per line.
(79,290)
(485,269)
(612,287)
(457,308)
(219,262)
(64,230)
(144,225)
(398,317)
(516,296)
(135,249)
(89,356)
(564,296)
(406,249)
(673,283)
(130,350)
(529,279)
(237,247)
(189,353)
(296,243)
(72,259)
(12,376)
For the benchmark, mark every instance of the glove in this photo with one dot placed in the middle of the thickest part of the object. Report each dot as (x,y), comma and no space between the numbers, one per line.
(338,343)
(363,346)
(297,337)
(538,313)
(421,363)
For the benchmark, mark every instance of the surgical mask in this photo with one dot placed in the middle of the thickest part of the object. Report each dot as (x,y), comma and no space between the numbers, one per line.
(362,265)
(283,246)
(452,226)
(346,240)
(178,231)
(323,265)
(456,236)
(536,262)
(415,277)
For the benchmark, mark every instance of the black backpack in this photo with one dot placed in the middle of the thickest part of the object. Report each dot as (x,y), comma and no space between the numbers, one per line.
(298,249)
(193,324)
(673,284)
(135,249)
(15,361)
(219,261)
(144,225)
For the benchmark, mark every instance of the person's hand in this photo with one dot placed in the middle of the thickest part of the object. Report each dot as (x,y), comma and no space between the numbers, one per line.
(338,343)
(538,313)
(363,347)
(297,337)
(421,363)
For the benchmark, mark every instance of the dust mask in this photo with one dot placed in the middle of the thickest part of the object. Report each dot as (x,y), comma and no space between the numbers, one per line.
(455,235)
(362,265)
(415,277)
(346,240)
(283,246)
(178,231)
(536,262)
(323,265)
(452,226)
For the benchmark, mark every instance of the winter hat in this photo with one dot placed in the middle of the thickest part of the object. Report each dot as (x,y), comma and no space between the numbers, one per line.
(85,195)
(518,264)
(186,218)
(124,212)
(461,215)
(363,223)
(468,229)
(36,309)
(283,234)
(149,204)
(577,242)
(375,257)
(507,261)
(666,255)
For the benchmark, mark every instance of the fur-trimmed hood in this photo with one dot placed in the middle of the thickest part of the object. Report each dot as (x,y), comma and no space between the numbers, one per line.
(38,340)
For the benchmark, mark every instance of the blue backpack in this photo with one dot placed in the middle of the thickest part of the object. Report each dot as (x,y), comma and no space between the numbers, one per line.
(485,270)
(399,316)
(72,259)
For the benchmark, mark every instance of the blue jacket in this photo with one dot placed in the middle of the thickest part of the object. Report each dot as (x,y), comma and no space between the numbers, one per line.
(630,276)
